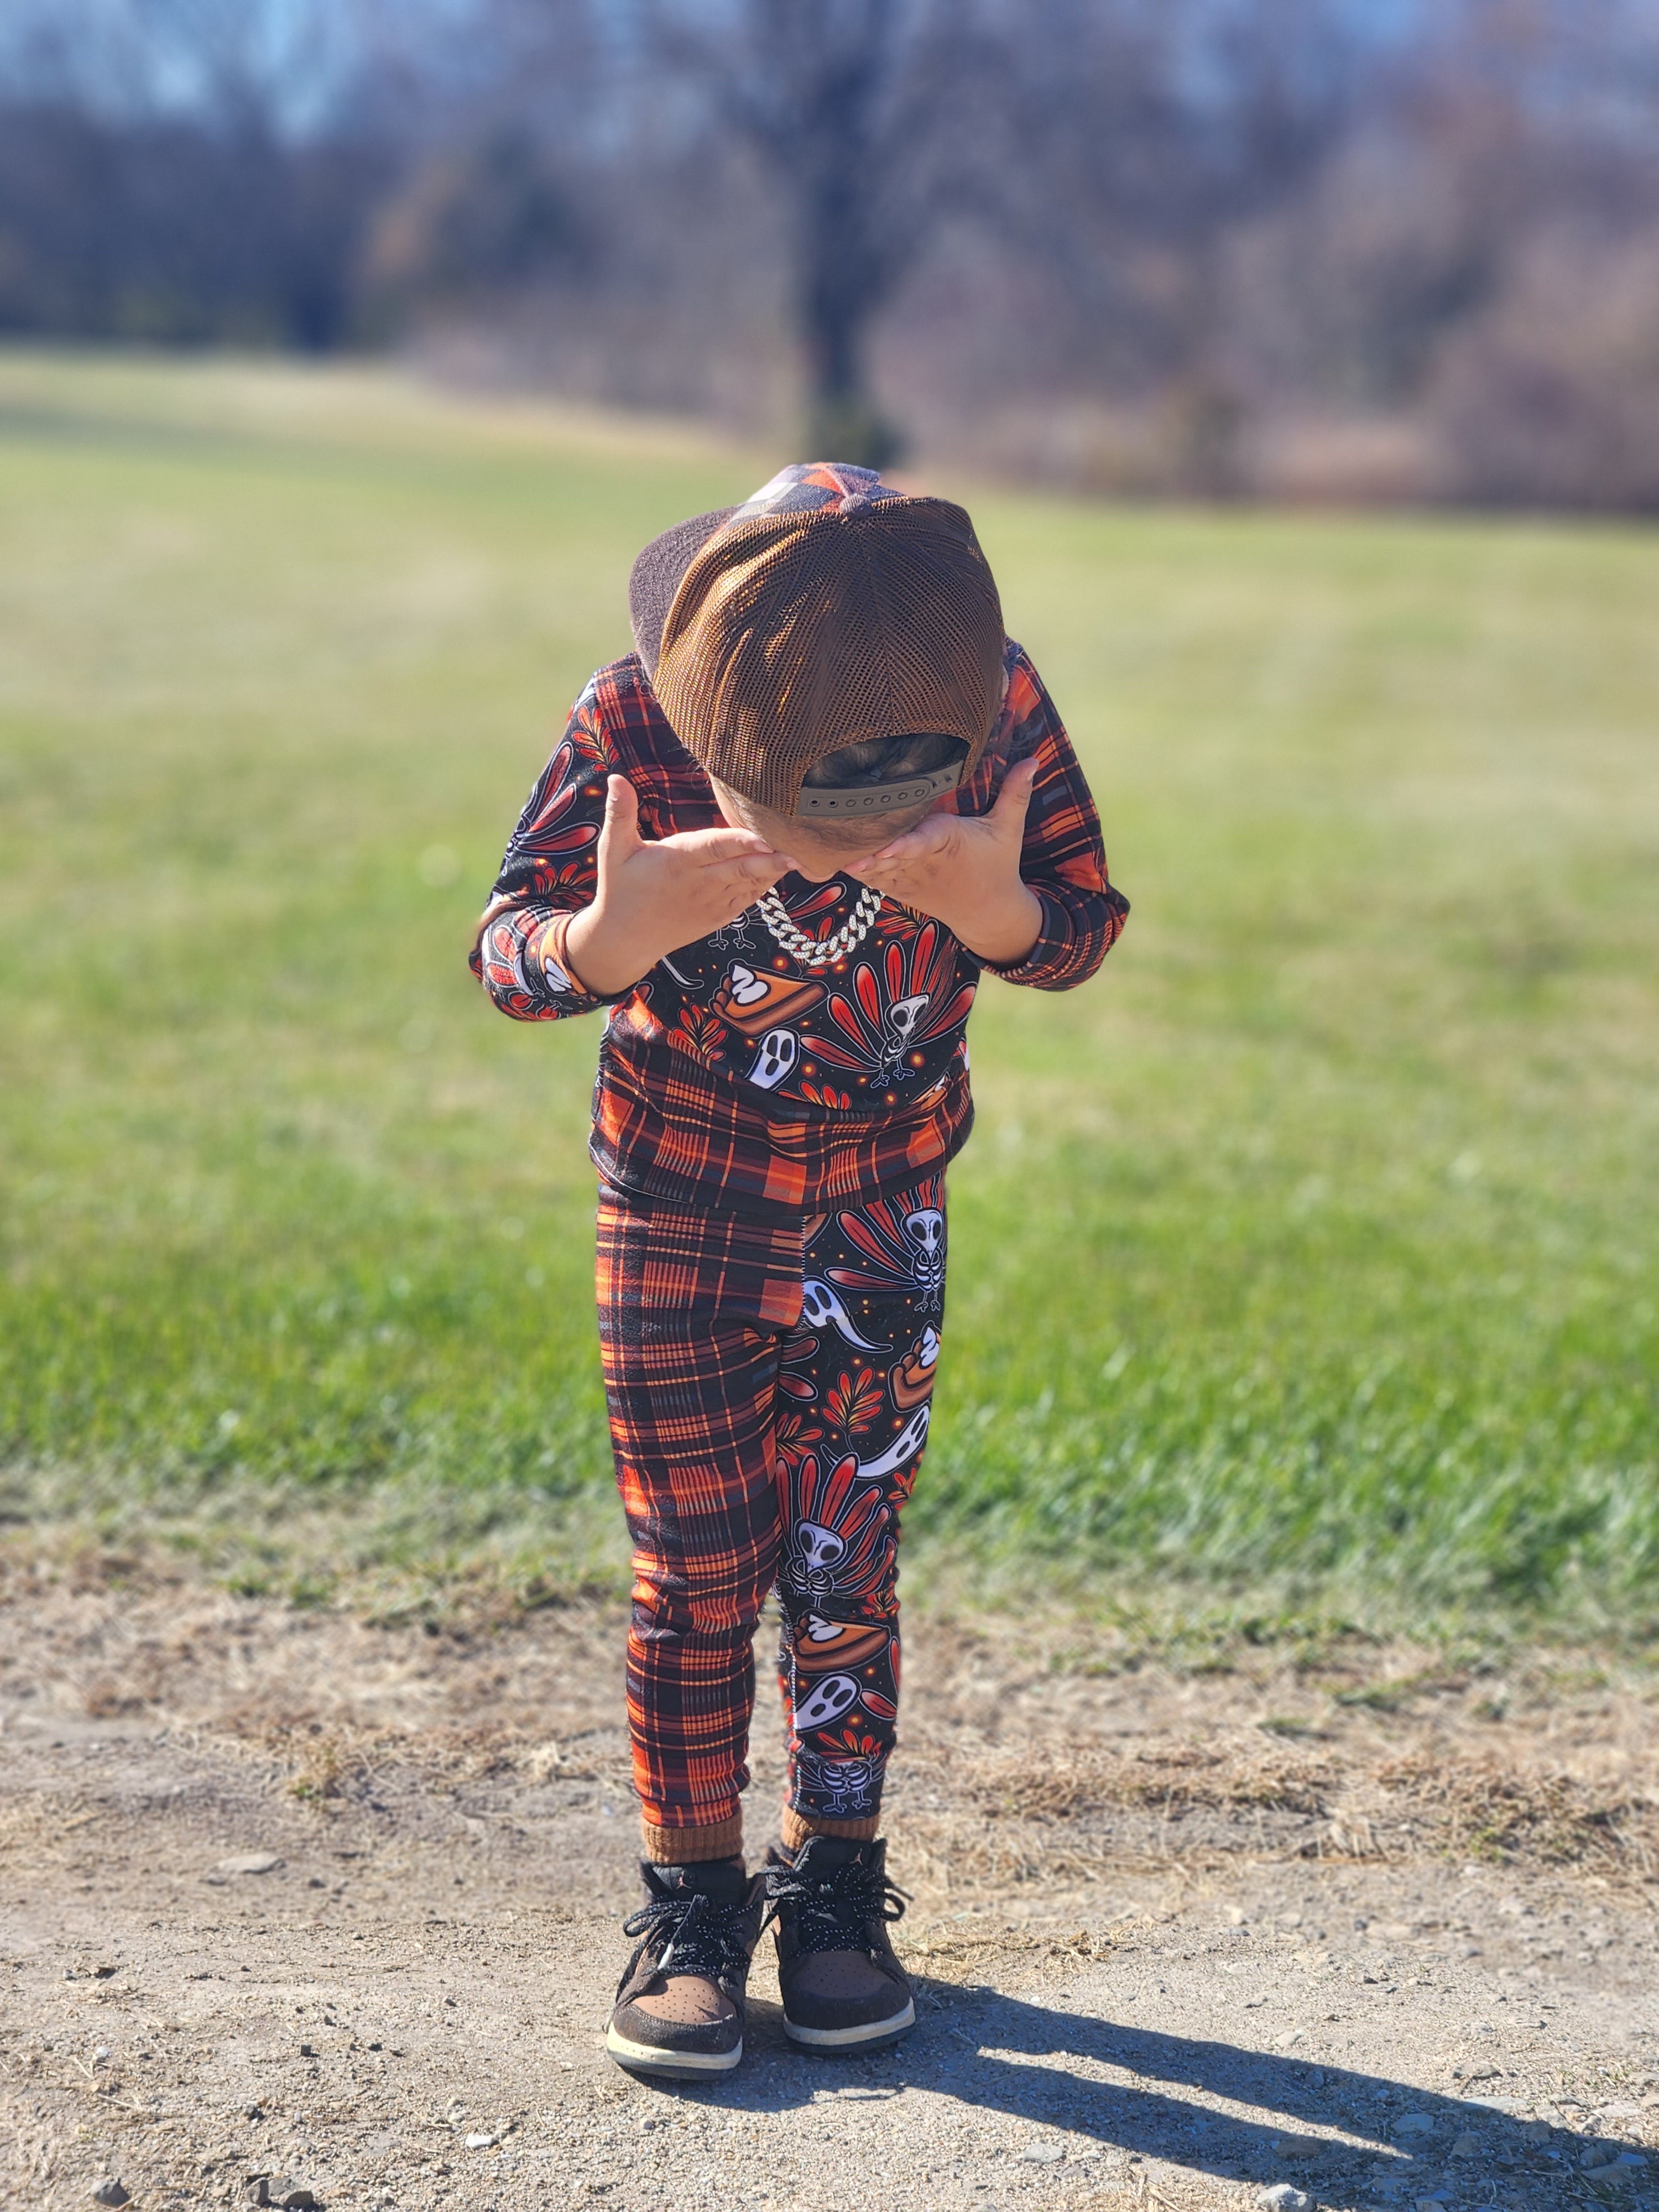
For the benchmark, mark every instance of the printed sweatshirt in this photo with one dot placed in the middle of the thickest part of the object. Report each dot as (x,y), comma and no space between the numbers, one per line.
(732,1077)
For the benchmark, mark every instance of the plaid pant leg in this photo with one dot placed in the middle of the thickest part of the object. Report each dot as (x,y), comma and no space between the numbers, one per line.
(691,1428)
(691,1394)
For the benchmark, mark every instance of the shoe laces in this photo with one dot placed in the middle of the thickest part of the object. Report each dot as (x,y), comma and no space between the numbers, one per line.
(697,1934)
(834,1909)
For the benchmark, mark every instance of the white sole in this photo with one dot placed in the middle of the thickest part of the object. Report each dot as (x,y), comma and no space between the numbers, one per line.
(849,2039)
(651,2058)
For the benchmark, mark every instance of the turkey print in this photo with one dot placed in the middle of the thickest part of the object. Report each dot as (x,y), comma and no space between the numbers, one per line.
(901,1248)
(887,1030)
(857,1374)
(878,1032)
(551,834)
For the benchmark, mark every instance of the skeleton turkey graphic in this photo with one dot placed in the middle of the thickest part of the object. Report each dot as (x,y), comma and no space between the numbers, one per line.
(904,1253)
(842,1780)
(841,1539)
(876,1031)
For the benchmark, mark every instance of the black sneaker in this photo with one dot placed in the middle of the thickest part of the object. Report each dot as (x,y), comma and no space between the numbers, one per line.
(679,2008)
(843,1990)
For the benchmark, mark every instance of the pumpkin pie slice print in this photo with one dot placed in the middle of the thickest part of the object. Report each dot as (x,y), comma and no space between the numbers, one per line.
(912,1379)
(753,1002)
(822,1646)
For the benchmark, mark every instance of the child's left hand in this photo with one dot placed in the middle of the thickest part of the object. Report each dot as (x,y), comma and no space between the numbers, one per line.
(964,871)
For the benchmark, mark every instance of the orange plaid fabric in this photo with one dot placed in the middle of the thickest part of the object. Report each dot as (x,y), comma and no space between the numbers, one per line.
(768,1390)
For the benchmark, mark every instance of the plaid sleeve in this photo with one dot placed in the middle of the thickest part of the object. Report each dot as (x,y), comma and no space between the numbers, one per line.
(547,876)
(1062,858)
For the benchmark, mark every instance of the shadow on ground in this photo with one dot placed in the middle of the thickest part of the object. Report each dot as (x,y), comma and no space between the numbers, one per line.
(1055,2068)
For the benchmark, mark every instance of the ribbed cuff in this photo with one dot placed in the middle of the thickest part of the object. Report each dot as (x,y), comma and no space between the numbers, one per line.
(1052,937)
(798,1826)
(721,1839)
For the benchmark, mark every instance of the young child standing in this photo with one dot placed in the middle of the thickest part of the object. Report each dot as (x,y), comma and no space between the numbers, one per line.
(781,842)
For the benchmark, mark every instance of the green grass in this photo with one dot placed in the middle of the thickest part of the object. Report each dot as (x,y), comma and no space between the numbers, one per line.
(1302,1265)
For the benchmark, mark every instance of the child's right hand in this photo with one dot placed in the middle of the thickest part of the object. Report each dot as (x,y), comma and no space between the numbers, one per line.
(652,897)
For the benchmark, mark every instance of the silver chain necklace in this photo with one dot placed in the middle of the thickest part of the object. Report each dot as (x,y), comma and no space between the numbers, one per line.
(819,952)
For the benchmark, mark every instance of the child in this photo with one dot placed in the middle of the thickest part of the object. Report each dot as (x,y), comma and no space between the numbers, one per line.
(780,842)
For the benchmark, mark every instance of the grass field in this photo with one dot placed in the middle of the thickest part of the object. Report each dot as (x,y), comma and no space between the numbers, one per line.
(1304,1265)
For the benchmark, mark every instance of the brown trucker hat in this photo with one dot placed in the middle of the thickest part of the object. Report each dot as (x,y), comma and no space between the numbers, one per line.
(827,610)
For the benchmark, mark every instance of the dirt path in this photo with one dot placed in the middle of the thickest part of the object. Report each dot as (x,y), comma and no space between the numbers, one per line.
(288,1894)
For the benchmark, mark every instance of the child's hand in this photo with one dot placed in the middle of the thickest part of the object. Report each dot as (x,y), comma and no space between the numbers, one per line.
(964,871)
(654,896)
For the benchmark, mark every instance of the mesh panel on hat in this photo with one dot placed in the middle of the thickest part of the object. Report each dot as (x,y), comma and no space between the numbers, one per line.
(794,633)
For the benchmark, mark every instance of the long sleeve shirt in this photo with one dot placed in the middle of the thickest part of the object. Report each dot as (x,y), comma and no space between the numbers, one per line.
(733,1078)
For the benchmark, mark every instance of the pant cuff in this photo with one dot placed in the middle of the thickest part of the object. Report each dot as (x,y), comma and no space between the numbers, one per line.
(688,1847)
(798,1826)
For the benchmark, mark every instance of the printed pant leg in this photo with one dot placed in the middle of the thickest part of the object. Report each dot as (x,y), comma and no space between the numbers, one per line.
(856,1382)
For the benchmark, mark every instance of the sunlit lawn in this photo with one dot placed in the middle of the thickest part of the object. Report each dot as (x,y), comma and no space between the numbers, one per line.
(1302,1264)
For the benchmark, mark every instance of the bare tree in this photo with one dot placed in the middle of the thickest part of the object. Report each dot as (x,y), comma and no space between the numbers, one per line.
(176,170)
(1149,131)
(281,62)
(1199,245)
(870,120)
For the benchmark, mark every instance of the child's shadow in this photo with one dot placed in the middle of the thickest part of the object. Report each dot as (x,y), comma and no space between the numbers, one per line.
(1002,2054)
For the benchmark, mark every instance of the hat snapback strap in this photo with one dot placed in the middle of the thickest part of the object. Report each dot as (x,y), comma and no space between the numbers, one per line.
(860,799)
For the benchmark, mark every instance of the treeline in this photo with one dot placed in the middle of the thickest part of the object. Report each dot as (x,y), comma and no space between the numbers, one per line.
(1264,247)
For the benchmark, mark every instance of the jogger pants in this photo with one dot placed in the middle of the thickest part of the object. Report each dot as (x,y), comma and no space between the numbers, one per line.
(768,1391)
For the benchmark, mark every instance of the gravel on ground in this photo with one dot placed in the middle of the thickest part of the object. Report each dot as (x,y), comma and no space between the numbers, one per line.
(298,1909)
